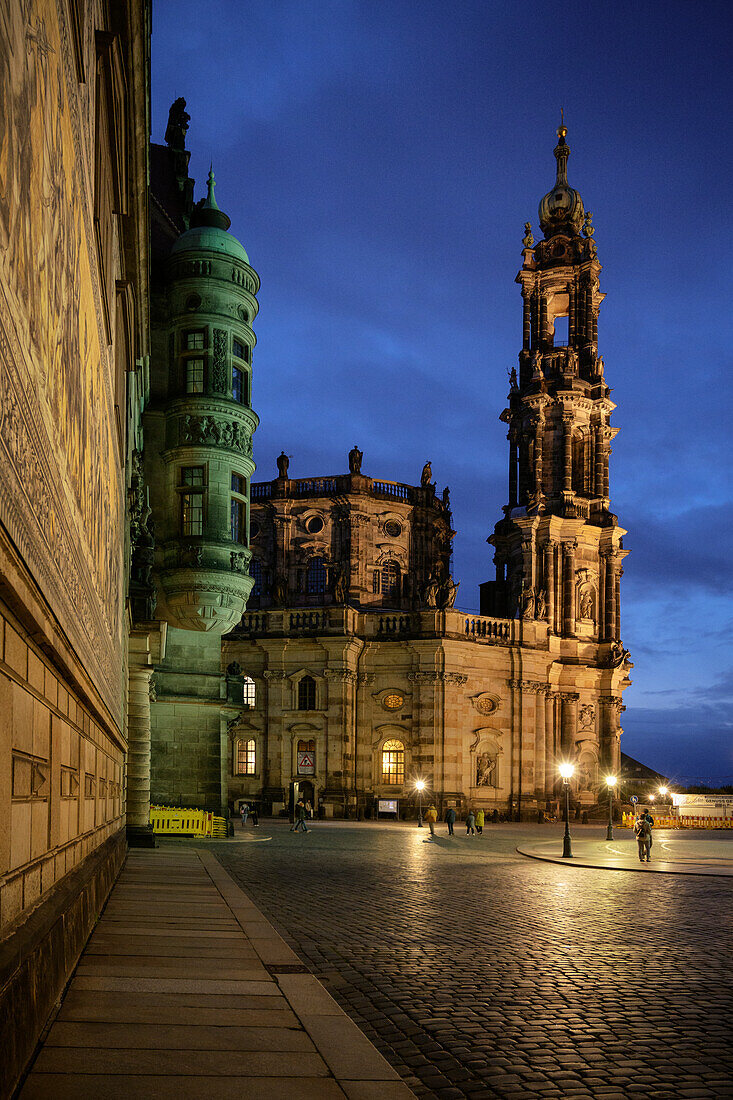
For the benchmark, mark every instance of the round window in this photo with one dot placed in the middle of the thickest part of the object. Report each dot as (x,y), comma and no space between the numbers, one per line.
(393,701)
(314,524)
(193,301)
(393,528)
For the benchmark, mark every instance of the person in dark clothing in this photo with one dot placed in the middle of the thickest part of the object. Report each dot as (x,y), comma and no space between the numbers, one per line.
(450,817)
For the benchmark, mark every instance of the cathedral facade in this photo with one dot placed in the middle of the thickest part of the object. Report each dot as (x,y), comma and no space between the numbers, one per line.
(354,672)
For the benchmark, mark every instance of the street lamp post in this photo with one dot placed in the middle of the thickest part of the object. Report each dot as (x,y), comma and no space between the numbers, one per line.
(567,771)
(419,787)
(611,782)
(664,791)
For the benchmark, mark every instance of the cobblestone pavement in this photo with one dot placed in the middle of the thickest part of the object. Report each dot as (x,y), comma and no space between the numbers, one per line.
(480,973)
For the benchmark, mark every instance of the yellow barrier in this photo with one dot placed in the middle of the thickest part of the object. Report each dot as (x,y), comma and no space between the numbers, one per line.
(172,821)
(683,822)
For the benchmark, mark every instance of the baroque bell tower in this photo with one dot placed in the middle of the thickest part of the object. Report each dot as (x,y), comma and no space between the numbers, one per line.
(559,548)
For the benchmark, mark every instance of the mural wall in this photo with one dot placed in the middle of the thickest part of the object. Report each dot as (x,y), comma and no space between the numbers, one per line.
(61,491)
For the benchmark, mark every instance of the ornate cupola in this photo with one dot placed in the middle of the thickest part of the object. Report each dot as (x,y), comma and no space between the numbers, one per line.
(559,547)
(201,422)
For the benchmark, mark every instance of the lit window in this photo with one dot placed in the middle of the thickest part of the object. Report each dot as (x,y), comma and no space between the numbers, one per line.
(393,762)
(239,521)
(246,762)
(194,376)
(255,570)
(192,514)
(239,386)
(239,484)
(194,341)
(391,580)
(249,693)
(393,701)
(307,693)
(316,577)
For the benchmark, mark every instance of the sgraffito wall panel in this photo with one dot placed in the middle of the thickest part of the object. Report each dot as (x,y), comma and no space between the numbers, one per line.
(61,491)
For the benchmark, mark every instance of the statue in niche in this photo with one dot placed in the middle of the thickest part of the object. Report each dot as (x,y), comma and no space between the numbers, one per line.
(585,775)
(541,604)
(341,584)
(283,462)
(448,591)
(486,770)
(586,605)
(279,591)
(527,603)
(355,457)
(178,120)
(427,475)
(432,588)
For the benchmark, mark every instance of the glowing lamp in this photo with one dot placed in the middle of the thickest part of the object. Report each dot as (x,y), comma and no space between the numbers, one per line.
(611,781)
(567,771)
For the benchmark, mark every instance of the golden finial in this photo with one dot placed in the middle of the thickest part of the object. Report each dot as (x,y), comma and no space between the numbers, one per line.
(563,130)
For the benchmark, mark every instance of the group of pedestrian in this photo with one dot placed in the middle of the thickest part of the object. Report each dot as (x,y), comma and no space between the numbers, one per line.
(246,811)
(643,832)
(474,820)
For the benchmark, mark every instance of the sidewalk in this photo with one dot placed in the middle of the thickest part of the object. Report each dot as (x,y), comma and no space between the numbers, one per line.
(185,990)
(672,853)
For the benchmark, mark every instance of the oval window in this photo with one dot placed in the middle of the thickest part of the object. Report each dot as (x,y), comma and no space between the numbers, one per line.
(393,701)
(314,524)
(392,528)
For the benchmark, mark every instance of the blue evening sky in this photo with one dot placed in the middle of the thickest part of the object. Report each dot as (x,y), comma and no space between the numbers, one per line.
(379,160)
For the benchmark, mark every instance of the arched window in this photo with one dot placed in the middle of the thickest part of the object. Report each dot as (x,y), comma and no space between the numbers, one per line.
(249,692)
(393,762)
(307,693)
(315,583)
(391,580)
(245,758)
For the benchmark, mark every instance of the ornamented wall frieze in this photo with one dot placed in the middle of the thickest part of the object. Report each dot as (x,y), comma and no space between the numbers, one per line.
(213,431)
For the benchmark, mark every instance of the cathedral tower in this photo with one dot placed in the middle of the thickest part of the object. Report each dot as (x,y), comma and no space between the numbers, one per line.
(559,547)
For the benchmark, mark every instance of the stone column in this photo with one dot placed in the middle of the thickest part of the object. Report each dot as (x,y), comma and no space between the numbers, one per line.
(568,585)
(611,707)
(526,320)
(512,437)
(357,583)
(599,456)
(569,723)
(146,650)
(567,442)
(572,315)
(539,425)
(548,576)
(550,742)
(589,316)
(540,743)
(609,608)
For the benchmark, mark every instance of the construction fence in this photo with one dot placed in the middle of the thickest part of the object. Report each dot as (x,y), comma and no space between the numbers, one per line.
(682,822)
(177,821)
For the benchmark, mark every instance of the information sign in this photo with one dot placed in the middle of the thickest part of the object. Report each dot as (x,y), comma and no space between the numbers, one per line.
(633,799)
(387,806)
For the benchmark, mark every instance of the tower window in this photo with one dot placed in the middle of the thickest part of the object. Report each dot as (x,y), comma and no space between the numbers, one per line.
(561,332)
(376,585)
(194,376)
(194,340)
(240,350)
(307,693)
(239,484)
(238,521)
(192,475)
(249,692)
(239,385)
(192,514)
(393,762)
(391,580)
(316,577)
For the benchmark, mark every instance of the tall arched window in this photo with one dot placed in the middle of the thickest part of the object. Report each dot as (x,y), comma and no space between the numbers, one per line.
(393,762)
(391,580)
(245,758)
(307,693)
(315,581)
(249,692)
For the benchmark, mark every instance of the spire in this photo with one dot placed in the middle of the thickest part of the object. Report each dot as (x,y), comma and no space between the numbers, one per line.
(562,152)
(211,203)
(561,210)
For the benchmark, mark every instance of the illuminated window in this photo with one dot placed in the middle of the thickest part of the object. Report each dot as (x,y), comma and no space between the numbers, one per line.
(391,580)
(315,581)
(307,693)
(194,376)
(393,701)
(246,758)
(194,341)
(239,484)
(192,514)
(249,692)
(240,350)
(393,762)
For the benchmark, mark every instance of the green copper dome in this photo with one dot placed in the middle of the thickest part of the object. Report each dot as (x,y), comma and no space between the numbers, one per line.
(209,233)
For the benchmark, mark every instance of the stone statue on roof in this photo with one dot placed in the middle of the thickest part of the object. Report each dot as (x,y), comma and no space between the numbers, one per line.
(355,457)
(178,120)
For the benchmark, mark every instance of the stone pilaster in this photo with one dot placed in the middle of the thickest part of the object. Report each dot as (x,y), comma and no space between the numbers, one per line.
(568,586)
(610,732)
(569,723)
(609,597)
(567,442)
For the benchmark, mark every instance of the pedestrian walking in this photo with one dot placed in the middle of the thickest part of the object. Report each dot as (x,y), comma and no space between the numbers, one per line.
(450,817)
(470,823)
(431,816)
(643,834)
(244,810)
(300,818)
(255,815)
(480,822)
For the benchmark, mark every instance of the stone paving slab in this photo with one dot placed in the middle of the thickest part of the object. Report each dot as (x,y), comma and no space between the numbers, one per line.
(174,998)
